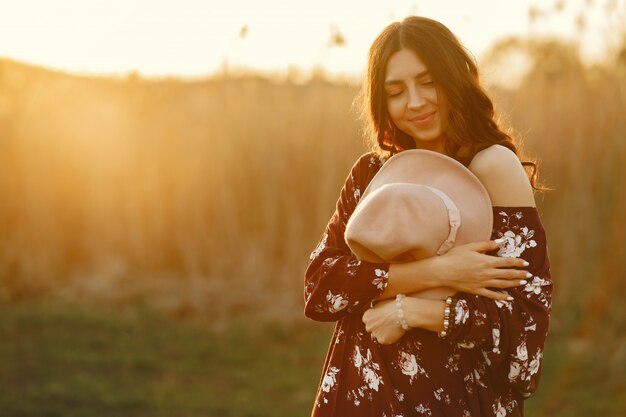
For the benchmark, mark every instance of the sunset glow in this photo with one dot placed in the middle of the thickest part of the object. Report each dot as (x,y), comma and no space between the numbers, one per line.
(199,37)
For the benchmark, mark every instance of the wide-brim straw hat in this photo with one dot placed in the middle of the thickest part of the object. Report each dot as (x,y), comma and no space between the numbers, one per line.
(419,204)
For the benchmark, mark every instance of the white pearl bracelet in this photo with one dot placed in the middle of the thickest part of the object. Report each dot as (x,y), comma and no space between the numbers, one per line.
(401,321)
(446,317)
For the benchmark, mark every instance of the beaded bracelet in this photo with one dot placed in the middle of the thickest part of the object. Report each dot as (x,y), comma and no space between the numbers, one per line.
(446,318)
(401,321)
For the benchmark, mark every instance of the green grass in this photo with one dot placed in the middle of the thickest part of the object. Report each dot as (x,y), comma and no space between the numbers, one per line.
(73,361)
(584,381)
(70,361)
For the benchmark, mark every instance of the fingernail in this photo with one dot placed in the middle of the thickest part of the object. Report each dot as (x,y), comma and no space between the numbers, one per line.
(509,298)
(523,282)
(529,275)
(526,263)
(498,241)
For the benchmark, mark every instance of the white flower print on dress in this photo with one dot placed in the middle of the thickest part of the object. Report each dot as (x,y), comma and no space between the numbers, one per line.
(533,288)
(453,362)
(320,247)
(469,383)
(466,345)
(336,302)
(371,378)
(407,363)
(330,262)
(521,368)
(505,303)
(477,378)
(486,356)
(354,397)
(374,160)
(501,408)
(514,244)
(308,290)
(399,395)
(441,395)
(479,318)
(533,366)
(339,336)
(535,285)
(495,333)
(437,393)
(381,276)
(514,371)
(330,379)
(531,328)
(368,370)
(461,311)
(423,409)
(522,352)
(357,194)
(351,267)
(498,409)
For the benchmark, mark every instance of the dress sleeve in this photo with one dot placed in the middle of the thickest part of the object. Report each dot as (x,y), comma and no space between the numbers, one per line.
(336,282)
(511,334)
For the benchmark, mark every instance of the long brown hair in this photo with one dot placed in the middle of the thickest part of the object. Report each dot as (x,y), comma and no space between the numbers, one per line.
(470,125)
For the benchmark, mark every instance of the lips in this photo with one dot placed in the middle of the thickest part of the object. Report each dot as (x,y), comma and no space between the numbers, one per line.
(423,119)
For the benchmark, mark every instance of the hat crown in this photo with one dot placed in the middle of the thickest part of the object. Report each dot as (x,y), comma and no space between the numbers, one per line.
(419,204)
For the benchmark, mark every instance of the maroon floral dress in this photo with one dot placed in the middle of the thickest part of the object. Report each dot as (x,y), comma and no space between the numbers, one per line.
(487,365)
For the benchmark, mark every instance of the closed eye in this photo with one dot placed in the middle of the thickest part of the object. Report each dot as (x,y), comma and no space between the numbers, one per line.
(394,93)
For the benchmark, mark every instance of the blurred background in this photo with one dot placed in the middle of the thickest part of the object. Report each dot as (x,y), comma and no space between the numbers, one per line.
(167,167)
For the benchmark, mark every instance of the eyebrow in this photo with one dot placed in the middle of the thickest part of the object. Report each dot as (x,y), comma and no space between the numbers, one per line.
(420,75)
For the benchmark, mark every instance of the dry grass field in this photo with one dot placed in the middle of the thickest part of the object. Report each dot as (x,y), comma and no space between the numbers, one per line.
(203,199)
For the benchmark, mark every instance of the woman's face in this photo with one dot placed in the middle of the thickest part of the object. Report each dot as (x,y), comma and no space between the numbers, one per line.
(416,106)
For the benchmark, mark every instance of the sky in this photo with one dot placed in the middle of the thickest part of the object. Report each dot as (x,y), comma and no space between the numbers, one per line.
(197,38)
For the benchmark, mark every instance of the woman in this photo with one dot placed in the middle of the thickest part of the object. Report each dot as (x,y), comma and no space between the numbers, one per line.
(422,91)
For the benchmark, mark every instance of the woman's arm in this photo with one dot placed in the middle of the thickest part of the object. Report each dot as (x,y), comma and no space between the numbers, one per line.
(336,283)
(511,334)
(464,268)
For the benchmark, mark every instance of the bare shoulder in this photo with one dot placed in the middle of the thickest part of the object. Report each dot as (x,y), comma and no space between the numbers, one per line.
(504,177)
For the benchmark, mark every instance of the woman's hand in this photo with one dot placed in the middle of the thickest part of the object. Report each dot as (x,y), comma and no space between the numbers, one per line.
(466,268)
(381,322)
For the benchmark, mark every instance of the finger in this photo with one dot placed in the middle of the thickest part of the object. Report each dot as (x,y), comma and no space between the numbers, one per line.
(508,274)
(509,262)
(505,283)
(494,295)
(482,247)
(514,274)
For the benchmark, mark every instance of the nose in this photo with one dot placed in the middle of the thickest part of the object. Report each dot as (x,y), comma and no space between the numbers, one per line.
(416,98)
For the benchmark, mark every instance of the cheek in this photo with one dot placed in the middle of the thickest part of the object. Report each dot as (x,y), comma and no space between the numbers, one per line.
(433,96)
(395,108)
(442,104)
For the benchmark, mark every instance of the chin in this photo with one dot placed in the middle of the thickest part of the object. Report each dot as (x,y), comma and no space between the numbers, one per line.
(428,141)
